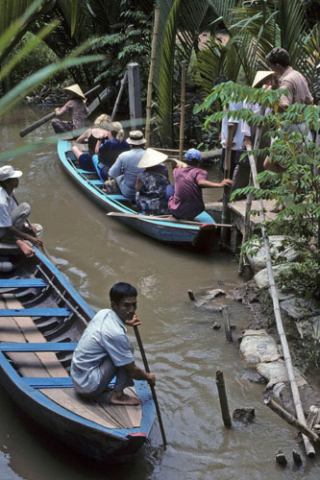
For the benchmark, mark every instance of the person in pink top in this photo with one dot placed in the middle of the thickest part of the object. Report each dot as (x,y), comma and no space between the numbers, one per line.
(186,201)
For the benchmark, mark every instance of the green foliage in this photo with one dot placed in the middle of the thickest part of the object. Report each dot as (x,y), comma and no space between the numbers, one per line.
(298,189)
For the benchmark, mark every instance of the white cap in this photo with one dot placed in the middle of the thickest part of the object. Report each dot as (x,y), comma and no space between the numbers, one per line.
(7,171)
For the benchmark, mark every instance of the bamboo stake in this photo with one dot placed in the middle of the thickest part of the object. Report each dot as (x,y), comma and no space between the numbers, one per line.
(226,189)
(247,222)
(151,71)
(183,103)
(291,419)
(223,399)
(116,105)
(276,307)
(226,321)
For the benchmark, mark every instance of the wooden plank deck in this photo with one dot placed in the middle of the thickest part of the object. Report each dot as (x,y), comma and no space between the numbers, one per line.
(45,364)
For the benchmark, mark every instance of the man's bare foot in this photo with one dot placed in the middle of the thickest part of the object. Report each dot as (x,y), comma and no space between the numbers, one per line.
(120,398)
(25,248)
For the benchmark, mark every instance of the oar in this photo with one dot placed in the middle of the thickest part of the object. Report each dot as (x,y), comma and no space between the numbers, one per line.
(45,251)
(153,391)
(166,219)
(49,117)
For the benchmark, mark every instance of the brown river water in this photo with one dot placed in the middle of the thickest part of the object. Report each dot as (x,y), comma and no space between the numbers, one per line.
(94,252)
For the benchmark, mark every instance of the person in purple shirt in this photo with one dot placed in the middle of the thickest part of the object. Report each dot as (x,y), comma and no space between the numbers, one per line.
(187,201)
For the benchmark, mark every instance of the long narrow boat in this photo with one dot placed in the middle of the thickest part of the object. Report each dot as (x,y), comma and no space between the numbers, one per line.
(199,233)
(42,318)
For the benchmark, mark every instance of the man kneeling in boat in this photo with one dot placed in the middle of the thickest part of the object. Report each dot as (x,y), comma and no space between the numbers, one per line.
(14,225)
(105,351)
(185,198)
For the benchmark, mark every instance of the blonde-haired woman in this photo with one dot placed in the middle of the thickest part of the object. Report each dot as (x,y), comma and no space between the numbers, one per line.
(93,137)
(109,150)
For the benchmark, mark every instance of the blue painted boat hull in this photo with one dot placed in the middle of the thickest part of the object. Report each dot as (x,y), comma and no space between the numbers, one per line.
(166,232)
(86,437)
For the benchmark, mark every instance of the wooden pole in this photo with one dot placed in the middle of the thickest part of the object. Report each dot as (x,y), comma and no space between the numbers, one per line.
(48,117)
(183,103)
(226,321)
(226,189)
(116,105)
(279,410)
(45,251)
(223,399)
(277,313)
(153,391)
(134,94)
(151,71)
(247,220)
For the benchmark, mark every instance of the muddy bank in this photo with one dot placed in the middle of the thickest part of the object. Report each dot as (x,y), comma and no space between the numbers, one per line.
(263,318)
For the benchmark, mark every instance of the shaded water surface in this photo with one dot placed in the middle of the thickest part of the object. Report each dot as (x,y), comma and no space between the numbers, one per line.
(94,252)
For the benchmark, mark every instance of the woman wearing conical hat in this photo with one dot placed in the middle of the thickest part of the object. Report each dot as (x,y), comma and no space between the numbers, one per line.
(75,107)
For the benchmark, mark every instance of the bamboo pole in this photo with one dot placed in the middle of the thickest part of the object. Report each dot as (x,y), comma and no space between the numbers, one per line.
(116,105)
(277,313)
(247,221)
(223,399)
(291,419)
(151,71)
(183,104)
(226,321)
(226,189)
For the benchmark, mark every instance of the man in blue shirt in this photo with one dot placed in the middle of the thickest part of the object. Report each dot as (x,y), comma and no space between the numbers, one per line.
(105,351)
(125,170)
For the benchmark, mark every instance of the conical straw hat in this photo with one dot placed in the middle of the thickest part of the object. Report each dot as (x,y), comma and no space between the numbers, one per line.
(75,89)
(261,75)
(151,158)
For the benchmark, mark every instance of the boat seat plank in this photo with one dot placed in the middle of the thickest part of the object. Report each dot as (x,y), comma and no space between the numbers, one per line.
(49,382)
(35,312)
(96,182)
(22,282)
(118,197)
(30,333)
(38,347)
(84,172)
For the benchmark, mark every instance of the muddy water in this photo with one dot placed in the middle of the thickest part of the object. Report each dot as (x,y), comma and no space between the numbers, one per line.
(94,252)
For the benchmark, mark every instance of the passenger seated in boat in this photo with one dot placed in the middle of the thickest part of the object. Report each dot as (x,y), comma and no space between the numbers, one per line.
(76,108)
(93,137)
(185,200)
(14,225)
(109,149)
(105,351)
(124,173)
(152,183)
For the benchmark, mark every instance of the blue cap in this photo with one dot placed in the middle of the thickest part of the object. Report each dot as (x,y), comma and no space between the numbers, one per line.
(193,154)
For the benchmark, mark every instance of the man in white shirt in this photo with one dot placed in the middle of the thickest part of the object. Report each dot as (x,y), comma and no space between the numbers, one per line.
(14,225)
(105,351)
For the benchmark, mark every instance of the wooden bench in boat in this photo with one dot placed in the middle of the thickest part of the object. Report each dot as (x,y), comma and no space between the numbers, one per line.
(35,312)
(40,368)
(22,282)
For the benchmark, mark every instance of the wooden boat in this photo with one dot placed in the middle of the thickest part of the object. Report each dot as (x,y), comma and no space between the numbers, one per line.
(42,317)
(199,233)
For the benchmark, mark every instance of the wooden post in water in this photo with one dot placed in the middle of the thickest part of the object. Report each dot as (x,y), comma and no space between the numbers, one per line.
(134,95)
(226,321)
(223,399)
(226,189)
